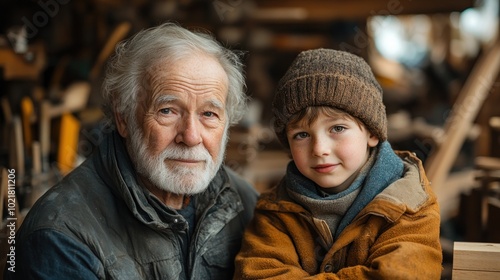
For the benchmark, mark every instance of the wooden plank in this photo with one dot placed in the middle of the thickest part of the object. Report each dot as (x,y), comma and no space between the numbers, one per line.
(28,114)
(68,143)
(37,159)
(474,275)
(18,159)
(45,134)
(487,163)
(476,256)
(464,112)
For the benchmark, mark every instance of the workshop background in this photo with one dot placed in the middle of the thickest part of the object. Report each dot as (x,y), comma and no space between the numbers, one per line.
(437,61)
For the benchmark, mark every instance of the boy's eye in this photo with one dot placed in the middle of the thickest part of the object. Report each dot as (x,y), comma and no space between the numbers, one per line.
(301,135)
(338,129)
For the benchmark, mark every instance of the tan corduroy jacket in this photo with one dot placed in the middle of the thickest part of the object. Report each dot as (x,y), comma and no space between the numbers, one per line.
(396,236)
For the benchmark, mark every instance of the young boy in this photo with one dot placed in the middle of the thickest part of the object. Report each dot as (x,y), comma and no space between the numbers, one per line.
(349,207)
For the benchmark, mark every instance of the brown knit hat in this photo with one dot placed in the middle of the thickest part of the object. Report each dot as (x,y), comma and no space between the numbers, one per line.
(324,77)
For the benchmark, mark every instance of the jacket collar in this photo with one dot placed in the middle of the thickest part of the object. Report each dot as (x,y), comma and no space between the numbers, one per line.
(388,168)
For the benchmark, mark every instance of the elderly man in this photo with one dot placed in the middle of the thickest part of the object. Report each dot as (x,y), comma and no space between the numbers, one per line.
(154,201)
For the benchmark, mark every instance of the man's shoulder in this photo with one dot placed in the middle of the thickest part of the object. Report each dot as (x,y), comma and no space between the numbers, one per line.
(248,194)
(74,198)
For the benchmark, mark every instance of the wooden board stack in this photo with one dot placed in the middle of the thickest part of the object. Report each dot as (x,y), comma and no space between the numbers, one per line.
(473,260)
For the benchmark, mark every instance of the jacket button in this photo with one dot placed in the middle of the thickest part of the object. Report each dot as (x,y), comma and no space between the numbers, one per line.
(328,268)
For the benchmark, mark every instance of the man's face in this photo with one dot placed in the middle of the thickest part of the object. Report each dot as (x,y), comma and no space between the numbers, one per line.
(178,141)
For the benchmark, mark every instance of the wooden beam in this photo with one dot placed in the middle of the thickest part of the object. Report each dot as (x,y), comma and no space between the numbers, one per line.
(463,114)
(328,10)
(118,34)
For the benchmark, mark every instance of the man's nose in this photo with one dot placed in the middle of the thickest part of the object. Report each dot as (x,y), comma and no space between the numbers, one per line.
(189,131)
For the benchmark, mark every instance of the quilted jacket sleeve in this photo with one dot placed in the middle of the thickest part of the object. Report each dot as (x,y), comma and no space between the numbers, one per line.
(48,254)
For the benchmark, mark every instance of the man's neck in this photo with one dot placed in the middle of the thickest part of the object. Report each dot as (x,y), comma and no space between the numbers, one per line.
(175,201)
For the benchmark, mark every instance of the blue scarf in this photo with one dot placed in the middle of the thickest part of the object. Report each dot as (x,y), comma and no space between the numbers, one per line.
(386,169)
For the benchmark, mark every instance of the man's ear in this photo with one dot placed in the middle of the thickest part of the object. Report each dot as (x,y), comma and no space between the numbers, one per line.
(121,125)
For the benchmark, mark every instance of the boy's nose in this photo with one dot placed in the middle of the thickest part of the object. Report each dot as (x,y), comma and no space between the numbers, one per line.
(321,147)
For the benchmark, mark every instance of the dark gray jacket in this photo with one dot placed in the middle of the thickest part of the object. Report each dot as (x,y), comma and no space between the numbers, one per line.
(98,223)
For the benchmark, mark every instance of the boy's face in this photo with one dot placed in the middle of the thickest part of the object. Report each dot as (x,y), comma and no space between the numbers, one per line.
(330,150)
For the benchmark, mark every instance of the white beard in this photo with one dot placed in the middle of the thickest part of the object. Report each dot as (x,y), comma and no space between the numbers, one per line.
(177,179)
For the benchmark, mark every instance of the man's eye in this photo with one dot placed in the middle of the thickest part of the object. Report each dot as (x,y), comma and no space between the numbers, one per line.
(209,114)
(165,111)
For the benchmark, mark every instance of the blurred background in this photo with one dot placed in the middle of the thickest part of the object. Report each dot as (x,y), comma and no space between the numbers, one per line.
(437,61)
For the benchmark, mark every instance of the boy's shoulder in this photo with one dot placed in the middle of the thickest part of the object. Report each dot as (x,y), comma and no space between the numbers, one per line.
(277,198)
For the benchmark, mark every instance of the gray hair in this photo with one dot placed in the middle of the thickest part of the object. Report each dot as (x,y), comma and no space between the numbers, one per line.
(136,56)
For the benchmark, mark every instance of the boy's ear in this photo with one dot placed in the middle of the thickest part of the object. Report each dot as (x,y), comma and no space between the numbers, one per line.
(373,140)
(121,125)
